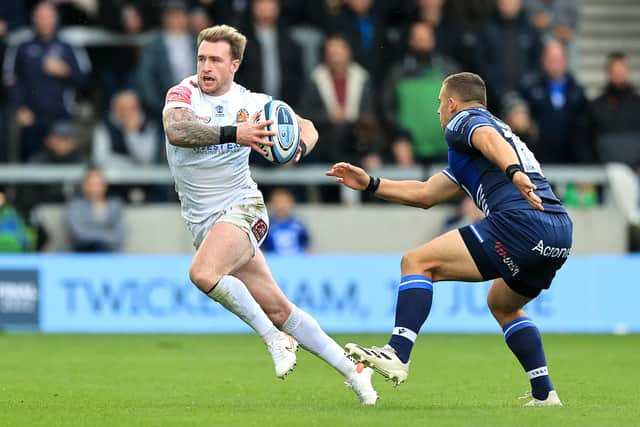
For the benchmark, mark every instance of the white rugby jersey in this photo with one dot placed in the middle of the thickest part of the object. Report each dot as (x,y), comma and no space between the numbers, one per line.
(211,178)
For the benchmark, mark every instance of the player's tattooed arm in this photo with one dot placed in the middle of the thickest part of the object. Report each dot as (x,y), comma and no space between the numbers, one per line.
(183,130)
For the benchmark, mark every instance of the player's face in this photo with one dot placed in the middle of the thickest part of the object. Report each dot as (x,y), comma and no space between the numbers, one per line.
(216,68)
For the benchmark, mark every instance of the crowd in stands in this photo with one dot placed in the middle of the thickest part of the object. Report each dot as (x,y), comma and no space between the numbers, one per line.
(367,72)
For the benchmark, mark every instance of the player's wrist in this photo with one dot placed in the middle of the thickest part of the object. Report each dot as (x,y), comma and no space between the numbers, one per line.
(374,183)
(228,134)
(511,170)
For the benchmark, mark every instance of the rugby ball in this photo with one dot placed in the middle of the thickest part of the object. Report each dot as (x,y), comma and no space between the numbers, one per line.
(287,129)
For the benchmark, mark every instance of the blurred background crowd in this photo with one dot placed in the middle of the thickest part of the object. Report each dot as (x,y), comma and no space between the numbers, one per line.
(84,82)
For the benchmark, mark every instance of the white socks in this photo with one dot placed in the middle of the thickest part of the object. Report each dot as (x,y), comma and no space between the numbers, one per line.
(233,295)
(307,331)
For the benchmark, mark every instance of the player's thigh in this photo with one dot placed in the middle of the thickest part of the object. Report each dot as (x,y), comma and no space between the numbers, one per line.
(256,275)
(224,249)
(504,302)
(444,258)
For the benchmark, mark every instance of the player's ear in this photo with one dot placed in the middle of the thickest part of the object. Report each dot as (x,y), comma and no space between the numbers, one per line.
(452,104)
(235,64)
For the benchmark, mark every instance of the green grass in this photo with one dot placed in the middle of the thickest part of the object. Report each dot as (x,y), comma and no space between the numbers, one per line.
(219,380)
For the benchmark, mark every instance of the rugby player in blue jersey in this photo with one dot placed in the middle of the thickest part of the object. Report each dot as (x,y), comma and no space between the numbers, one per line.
(523,240)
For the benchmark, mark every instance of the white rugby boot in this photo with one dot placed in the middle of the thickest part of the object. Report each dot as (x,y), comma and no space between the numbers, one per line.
(360,383)
(384,360)
(283,349)
(551,400)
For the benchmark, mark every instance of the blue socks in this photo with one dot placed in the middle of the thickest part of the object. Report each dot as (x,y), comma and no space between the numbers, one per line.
(414,303)
(524,340)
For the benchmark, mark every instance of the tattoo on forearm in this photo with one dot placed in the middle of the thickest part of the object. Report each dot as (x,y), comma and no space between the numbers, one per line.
(182,129)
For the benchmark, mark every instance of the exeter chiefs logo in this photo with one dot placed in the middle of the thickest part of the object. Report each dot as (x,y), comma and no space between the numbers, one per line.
(242,116)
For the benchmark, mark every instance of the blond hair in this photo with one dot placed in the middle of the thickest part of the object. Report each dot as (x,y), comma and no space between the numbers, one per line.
(468,87)
(237,41)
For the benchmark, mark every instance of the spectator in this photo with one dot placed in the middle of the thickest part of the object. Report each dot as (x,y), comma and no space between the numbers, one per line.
(95,222)
(339,94)
(410,100)
(219,11)
(613,125)
(12,16)
(272,61)
(448,32)
(507,48)
(515,113)
(15,235)
(557,103)
(557,19)
(41,75)
(126,137)
(61,147)
(167,59)
(116,65)
(287,234)
(199,19)
(366,29)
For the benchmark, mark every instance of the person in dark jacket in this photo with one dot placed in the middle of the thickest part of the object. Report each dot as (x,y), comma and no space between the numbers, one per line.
(272,61)
(167,59)
(614,128)
(558,104)
(41,75)
(508,47)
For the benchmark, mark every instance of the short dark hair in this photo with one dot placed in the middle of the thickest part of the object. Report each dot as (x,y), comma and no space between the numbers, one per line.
(467,87)
(615,56)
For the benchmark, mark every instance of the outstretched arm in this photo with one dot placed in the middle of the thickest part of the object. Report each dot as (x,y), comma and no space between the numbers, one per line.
(183,130)
(435,190)
(497,150)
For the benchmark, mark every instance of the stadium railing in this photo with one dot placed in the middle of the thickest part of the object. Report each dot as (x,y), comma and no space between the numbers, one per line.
(305,175)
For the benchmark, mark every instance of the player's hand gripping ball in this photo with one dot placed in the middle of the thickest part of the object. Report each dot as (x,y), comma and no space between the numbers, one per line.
(287,129)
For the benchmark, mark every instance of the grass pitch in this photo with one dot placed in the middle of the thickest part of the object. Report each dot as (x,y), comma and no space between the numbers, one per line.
(220,380)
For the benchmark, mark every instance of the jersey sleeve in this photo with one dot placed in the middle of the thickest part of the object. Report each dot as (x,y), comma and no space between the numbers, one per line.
(460,129)
(178,97)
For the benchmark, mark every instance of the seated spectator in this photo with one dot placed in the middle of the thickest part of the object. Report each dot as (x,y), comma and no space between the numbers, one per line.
(613,124)
(116,65)
(95,222)
(167,59)
(272,61)
(339,93)
(61,147)
(15,235)
(515,113)
(126,137)
(557,104)
(410,100)
(507,48)
(42,74)
(287,234)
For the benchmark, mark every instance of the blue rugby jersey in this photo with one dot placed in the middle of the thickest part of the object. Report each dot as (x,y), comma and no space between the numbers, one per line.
(483,181)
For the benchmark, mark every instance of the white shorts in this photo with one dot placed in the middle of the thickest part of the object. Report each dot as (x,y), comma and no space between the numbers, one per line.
(248,214)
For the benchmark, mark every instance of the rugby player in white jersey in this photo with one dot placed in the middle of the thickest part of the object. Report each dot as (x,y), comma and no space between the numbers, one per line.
(209,121)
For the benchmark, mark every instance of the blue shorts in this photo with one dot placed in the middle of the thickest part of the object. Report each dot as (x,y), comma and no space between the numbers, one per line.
(524,247)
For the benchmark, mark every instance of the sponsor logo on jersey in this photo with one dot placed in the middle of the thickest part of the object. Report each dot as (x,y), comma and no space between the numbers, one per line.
(242,116)
(551,251)
(510,263)
(260,229)
(219,110)
(179,94)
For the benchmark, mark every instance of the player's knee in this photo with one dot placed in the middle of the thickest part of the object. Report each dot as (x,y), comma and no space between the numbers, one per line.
(414,262)
(498,309)
(201,276)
